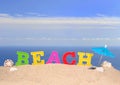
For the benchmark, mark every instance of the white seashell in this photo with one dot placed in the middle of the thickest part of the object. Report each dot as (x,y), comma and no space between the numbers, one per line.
(100,69)
(8,63)
(106,64)
(13,69)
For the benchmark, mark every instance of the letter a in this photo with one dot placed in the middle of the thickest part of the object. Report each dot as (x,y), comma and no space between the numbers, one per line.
(53,58)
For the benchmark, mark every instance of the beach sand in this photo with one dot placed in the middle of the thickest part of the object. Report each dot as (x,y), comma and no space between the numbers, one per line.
(58,74)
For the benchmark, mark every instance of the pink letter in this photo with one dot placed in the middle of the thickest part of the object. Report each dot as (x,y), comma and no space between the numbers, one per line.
(53,58)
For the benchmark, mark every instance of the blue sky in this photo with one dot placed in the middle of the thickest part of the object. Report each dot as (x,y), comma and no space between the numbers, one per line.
(64,8)
(59,22)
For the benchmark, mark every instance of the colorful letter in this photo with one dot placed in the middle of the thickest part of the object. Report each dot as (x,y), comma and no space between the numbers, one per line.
(37,57)
(82,59)
(22,58)
(53,58)
(65,58)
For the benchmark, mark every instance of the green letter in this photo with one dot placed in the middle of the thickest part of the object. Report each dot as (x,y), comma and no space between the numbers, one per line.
(22,58)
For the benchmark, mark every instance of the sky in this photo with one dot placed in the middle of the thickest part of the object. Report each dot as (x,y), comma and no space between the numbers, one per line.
(59,22)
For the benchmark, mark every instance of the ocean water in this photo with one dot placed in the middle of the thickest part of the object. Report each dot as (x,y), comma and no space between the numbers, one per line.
(11,53)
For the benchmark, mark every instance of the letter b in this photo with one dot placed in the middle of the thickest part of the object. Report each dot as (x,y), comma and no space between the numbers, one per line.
(22,58)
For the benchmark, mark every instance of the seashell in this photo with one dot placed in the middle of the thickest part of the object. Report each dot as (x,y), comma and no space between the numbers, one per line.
(13,69)
(8,63)
(106,64)
(100,69)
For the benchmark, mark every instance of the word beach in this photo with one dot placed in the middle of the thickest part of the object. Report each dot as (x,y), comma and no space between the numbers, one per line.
(84,59)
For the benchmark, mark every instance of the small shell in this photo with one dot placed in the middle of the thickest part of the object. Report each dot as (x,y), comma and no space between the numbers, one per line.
(8,63)
(106,64)
(13,69)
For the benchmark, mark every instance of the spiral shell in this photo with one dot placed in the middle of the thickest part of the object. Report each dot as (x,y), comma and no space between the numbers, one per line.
(8,63)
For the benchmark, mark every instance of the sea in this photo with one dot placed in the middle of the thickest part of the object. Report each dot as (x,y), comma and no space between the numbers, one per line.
(10,52)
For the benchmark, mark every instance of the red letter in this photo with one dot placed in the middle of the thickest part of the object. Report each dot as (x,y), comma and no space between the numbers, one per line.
(65,58)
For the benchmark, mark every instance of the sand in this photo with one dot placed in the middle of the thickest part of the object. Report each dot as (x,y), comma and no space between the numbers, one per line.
(58,74)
